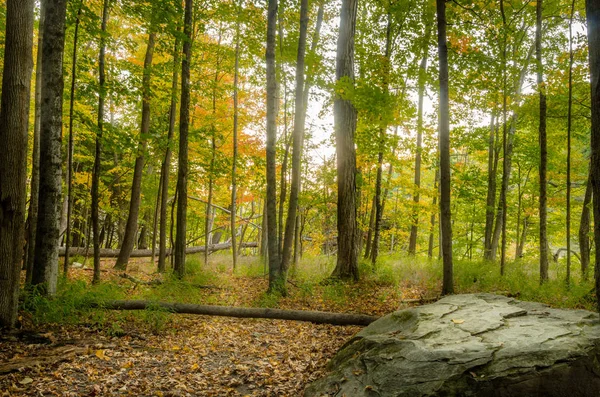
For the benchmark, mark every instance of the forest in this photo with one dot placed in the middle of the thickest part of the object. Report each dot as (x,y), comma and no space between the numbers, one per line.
(169,164)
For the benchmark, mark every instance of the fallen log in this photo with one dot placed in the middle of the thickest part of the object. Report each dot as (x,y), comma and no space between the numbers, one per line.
(113,253)
(245,312)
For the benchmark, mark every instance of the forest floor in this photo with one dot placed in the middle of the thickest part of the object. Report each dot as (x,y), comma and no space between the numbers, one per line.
(66,348)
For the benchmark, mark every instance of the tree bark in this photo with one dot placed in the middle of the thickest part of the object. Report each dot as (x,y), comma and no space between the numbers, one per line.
(245,312)
(138,170)
(71,143)
(543,148)
(414,228)
(345,127)
(273,243)
(569,125)
(166,165)
(35,154)
(369,242)
(45,268)
(184,123)
(298,145)
(444,138)
(584,229)
(14,123)
(235,139)
(491,190)
(432,219)
(98,153)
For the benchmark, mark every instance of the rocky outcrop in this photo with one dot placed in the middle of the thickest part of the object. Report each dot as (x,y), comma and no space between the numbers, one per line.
(470,345)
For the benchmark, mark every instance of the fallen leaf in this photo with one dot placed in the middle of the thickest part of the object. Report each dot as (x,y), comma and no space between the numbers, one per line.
(26,381)
(455,321)
(100,354)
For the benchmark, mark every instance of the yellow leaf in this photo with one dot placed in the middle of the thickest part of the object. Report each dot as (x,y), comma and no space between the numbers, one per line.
(195,366)
(457,321)
(26,381)
(100,354)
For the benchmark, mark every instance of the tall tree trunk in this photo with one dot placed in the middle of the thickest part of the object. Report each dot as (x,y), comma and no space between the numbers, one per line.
(155,218)
(235,139)
(45,268)
(264,235)
(298,144)
(382,138)
(369,242)
(138,170)
(273,243)
(166,165)
(98,154)
(412,241)
(286,141)
(444,137)
(543,148)
(184,124)
(35,154)
(569,116)
(345,126)
(522,239)
(584,229)
(432,220)
(71,143)
(491,189)
(14,124)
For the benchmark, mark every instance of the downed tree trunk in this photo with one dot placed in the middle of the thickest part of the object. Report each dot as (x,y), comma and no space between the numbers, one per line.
(112,253)
(246,312)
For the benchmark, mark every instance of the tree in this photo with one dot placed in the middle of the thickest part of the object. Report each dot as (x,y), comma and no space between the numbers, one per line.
(345,116)
(271,211)
(136,187)
(569,128)
(543,147)
(444,138)
(45,267)
(184,125)
(71,143)
(593,31)
(298,144)
(14,122)
(235,137)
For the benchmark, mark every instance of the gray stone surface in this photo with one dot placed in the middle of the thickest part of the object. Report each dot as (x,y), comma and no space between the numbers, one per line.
(470,345)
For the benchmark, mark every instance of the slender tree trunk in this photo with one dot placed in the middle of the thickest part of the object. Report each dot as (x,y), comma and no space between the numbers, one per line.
(71,143)
(412,241)
(491,190)
(155,217)
(45,268)
(345,126)
(369,242)
(235,139)
(543,148)
(584,229)
(522,239)
(444,137)
(98,154)
(184,121)
(264,235)
(35,154)
(593,31)
(569,116)
(432,220)
(273,243)
(14,123)
(166,165)
(298,143)
(138,170)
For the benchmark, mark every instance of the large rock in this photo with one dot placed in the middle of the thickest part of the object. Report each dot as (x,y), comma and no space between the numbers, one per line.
(470,345)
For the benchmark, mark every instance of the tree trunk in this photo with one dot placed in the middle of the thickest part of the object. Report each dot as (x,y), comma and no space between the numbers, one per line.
(520,247)
(166,165)
(593,30)
(98,154)
(147,253)
(71,143)
(432,219)
(273,244)
(569,117)
(35,154)
(345,126)
(584,229)
(14,123)
(298,144)
(184,122)
(543,148)
(444,137)
(235,139)
(246,312)
(138,170)
(45,267)
(412,241)
(491,190)
(369,242)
